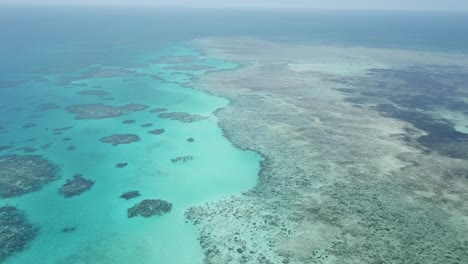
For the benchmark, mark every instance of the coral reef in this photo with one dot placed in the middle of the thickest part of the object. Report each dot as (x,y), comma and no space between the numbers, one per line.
(5,147)
(21,174)
(98,93)
(121,165)
(70,229)
(158,131)
(183,159)
(118,139)
(15,232)
(47,106)
(60,129)
(130,195)
(190,140)
(158,110)
(76,186)
(71,148)
(190,68)
(29,125)
(182,117)
(174,59)
(46,146)
(146,125)
(27,149)
(128,121)
(149,208)
(98,111)
(375,179)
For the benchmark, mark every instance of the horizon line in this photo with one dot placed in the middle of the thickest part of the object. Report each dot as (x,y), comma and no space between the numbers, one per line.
(244,7)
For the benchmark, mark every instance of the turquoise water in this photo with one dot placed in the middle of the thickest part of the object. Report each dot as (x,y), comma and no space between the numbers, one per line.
(50,54)
(104,233)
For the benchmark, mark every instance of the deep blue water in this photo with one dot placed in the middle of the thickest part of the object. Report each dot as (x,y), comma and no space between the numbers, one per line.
(24,29)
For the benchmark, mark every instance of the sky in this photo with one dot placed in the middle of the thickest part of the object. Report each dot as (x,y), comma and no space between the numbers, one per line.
(443,5)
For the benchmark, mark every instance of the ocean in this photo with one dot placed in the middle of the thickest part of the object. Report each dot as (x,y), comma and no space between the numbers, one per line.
(108,94)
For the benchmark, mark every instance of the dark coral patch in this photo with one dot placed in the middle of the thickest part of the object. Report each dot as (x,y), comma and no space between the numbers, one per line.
(28,149)
(184,68)
(71,148)
(121,165)
(442,136)
(46,146)
(47,106)
(16,232)
(29,125)
(158,110)
(21,174)
(69,229)
(76,186)
(147,125)
(119,139)
(5,147)
(190,140)
(182,117)
(130,195)
(158,131)
(150,207)
(129,121)
(183,159)
(62,128)
(98,93)
(99,111)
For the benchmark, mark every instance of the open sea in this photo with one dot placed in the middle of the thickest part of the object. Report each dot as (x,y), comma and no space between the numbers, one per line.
(68,76)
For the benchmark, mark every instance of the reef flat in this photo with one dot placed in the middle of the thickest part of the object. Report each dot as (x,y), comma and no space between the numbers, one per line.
(149,208)
(98,111)
(21,174)
(365,155)
(15,231)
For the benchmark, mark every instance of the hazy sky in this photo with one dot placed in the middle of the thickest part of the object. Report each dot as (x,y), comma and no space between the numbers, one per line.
(347,4)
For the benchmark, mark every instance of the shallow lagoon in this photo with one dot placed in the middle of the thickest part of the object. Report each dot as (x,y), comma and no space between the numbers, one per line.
(96,226)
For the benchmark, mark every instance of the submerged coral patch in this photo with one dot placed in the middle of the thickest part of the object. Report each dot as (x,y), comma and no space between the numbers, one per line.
(21,174)
(182,159)
(62,128)
(158,110)
(29,125)
(190,68)
(76,186)
(158,131)
(70,229)
(121,165)
(98,93)
(98,111)
(5,147)
(149,207)
(174,59)
(130,195)
(27,149)
(71,148)
(182,117)
(118,139)
(146,125)
(128,121)
(47,106)
(16,232)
